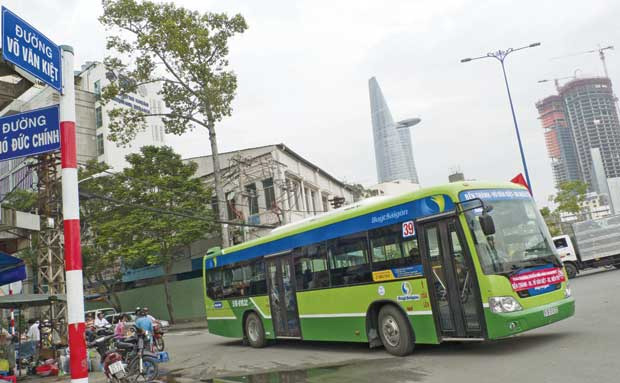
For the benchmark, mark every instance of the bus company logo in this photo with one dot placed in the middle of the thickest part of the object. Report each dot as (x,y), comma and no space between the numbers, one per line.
(406,288)
(217,305)
(392,215)
(407,293)
(381,290)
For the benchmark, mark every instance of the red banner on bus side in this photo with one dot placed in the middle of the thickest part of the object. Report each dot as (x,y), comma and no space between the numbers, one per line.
(537,278)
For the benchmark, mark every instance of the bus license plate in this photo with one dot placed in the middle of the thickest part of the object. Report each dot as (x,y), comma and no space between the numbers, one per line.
(550,311)
(117,368)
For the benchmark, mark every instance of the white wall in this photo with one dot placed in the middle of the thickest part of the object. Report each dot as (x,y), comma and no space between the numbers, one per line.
(113,154)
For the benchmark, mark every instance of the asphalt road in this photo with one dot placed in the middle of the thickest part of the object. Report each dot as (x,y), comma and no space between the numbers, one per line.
(584,348)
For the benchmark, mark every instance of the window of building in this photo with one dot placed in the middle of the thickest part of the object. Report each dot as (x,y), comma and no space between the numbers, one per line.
(98,87)
(325,202)
(98,117)
(348,260)
(252,198)
(230,204)
(270,194)
(311,267)
(308,204)
(313,199)
(100,148)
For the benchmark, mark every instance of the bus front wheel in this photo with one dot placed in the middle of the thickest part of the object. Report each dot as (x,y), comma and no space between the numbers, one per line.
(254,331)
(571,270)
(395,331)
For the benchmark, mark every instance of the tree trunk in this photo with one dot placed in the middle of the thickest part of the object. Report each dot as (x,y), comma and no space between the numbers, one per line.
(167,270)
(110,293)
(219,190)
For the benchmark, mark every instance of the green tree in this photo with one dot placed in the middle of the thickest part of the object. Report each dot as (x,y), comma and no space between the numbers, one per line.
(160,208)
(552,220)
(100,267)
(183,51)
(570,197)
(22,200)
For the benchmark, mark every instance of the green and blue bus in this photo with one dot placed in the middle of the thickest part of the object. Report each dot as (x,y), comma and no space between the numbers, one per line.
(465,261)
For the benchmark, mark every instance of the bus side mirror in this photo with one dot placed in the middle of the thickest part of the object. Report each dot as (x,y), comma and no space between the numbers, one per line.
(487,224)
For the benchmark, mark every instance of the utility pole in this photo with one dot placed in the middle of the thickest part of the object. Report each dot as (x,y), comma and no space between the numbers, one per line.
(500,55)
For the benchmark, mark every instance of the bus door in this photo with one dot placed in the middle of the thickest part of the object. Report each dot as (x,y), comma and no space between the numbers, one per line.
(453,287)
(282,297)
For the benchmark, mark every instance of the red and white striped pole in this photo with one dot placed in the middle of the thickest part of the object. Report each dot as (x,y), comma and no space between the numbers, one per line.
(71,222)
(12,322)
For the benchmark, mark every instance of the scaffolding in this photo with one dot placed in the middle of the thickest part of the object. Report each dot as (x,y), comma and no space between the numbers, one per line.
(50,260)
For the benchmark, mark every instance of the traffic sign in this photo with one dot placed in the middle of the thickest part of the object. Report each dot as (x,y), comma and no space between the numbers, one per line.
(29,133)
(29,49)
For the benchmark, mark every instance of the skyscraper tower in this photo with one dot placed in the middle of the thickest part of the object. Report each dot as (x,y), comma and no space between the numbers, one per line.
(591,111)
(393,152)
(559,140)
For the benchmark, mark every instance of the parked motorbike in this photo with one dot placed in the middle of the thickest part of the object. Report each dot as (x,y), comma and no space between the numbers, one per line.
(126,360)
(158,337)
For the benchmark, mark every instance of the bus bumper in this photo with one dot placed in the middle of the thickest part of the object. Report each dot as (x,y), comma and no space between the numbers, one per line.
(508,324)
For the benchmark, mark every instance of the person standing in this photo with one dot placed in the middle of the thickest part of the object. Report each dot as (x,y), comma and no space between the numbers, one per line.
(34,334)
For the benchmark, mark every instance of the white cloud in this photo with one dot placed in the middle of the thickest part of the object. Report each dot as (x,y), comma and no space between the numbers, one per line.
(303,68)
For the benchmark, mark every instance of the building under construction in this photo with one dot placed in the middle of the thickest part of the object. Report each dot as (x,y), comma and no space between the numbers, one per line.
(582,117)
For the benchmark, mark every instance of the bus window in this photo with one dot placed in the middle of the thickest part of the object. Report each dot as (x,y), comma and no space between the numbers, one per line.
(311,267)
(410,247)
(386,248)
(214,284)
(348,260)
(258,281)
(238,281)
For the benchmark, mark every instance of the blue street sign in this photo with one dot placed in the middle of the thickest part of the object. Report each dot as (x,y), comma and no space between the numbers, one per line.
(29,133)
(30,50)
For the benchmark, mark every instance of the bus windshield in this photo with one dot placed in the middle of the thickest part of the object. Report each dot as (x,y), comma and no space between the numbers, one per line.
(521,238)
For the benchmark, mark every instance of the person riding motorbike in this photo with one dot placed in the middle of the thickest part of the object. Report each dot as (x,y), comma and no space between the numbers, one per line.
(101,321)
(144,323)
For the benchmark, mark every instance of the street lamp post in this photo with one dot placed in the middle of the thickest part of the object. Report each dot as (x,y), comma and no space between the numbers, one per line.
(500,56)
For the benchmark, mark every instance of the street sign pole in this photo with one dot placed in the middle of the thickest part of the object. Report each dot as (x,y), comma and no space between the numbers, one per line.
(71,222)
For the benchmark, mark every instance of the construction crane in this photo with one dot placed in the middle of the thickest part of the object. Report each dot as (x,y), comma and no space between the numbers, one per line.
(556,81)
(601,54)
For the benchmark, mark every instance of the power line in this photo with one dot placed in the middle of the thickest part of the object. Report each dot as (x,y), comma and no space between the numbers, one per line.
(168,212)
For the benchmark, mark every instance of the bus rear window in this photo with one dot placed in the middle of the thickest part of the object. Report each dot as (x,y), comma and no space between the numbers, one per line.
(238,281)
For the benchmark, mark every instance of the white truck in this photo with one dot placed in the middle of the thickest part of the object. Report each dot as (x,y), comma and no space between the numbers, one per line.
(593,243)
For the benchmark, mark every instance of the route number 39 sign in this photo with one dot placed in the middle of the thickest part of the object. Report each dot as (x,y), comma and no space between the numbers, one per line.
(408,229)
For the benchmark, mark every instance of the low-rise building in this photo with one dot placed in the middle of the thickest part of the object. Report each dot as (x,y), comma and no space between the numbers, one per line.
(594,206)
(271,185)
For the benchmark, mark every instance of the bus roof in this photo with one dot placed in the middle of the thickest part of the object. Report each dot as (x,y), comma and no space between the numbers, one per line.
(366,206)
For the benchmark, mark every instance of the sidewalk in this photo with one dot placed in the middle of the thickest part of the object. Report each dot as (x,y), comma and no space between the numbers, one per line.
(200,324)
(93,377)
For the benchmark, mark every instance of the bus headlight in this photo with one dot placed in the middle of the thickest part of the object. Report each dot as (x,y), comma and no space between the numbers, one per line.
(567,292)
(504,305)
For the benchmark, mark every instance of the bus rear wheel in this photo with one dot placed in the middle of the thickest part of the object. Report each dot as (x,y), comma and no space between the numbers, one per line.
(395,331)
(254,331)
